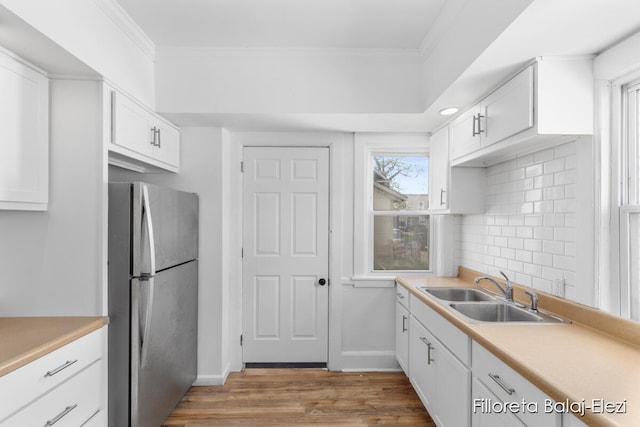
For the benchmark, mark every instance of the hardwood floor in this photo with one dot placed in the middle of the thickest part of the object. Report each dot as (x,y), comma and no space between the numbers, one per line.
(299,397)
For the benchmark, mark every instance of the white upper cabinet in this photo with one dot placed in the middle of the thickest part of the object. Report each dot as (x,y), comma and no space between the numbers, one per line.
(140,139)
(508,110)
(457,190)
(547,103)
(24,136)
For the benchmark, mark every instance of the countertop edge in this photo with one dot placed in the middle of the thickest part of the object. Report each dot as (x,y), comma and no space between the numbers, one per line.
(52,344)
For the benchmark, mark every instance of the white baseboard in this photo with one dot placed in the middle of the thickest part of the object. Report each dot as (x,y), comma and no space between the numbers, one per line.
(369,361)
(206,380)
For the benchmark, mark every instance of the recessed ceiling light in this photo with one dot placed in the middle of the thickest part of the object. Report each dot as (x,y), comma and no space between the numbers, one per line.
(448,111)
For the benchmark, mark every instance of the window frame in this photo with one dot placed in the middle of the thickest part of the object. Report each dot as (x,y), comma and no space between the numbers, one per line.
(628,193)
(366,147)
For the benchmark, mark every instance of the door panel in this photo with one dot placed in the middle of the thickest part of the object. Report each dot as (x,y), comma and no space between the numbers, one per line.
(175,224)
(165,370)
(286,252)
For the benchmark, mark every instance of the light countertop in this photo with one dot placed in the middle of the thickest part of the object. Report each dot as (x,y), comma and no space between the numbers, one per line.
(599,360)
(24,339)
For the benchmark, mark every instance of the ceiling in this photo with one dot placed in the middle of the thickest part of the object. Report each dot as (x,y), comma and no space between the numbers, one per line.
(545,27)
(340,24)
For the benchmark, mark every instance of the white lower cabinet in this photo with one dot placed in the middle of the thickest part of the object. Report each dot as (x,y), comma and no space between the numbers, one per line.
(513,393)
(402,328)
(569,420)
(461,383)
(402,337)
(482,410)
(66,387)
(439,376)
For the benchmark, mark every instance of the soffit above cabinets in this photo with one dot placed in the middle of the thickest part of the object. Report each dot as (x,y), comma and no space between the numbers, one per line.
(336,24)
(460,55)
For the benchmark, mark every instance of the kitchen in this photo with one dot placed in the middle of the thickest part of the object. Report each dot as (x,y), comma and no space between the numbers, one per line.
(351,98)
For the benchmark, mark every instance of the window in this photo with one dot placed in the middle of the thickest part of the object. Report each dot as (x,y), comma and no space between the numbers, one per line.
(630,203)
(400,226)
(393,231)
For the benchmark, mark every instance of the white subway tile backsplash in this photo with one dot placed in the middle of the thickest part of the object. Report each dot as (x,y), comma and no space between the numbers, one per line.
(528,229)
(553,247)
(552,166)
(534,170)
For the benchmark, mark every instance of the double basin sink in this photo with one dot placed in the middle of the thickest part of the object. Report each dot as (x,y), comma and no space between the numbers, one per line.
(478,306)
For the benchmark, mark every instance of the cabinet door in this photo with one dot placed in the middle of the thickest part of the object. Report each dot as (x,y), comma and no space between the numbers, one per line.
(483,416)
(508,110)
(422,371)
(462,138)
(24,136)
(402,337)
(453,382)
(132,127)
(439,166)
(167,144)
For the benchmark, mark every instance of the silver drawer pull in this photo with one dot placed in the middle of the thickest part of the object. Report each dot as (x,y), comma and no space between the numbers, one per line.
(429,348)
(61,368)
(400,295)
(61,415)
(90,418)
(502,385)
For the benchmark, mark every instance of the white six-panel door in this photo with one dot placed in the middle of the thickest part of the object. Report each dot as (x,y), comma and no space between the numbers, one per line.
(285,254)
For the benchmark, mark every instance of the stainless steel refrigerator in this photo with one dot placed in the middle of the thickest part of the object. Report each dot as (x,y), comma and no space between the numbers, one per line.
(153,301)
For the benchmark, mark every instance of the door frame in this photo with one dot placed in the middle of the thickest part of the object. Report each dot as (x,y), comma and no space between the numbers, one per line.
(339,145)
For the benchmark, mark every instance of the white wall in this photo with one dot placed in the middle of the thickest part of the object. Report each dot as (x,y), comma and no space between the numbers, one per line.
(286,81)
(539,213)
(54,262)
(471,27)
(204,170)
(98,34)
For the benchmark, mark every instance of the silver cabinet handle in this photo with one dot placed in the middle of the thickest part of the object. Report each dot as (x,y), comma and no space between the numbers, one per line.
(476,120)
(404,323)
(429,348)
(61,415)
(60,368)
(97,411)
(442,193)
(502,385)
(480,130)
(400,295)
(159,134)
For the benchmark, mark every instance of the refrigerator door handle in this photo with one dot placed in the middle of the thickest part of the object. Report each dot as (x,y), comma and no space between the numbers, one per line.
(148,222)
(145,320)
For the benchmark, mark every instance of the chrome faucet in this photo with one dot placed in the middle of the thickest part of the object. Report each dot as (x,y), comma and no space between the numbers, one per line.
(534,299)
(507,290)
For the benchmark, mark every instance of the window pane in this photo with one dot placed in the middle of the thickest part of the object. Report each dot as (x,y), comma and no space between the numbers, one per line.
(400,183)
(401,242)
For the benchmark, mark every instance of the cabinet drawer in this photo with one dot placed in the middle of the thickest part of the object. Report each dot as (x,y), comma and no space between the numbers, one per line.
(73,403)
(34,379)
(509,386)
(402,295)
(453,338)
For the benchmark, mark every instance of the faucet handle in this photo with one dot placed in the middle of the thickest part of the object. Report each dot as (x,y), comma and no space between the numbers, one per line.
(534,299)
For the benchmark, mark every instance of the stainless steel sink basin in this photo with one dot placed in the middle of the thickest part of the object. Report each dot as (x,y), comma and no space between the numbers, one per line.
(459,294)
(494,312)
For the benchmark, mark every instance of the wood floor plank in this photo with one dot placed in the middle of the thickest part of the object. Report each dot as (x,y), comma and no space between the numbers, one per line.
(300,397)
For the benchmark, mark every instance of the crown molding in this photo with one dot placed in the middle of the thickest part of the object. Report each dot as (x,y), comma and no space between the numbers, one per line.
(129,27)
